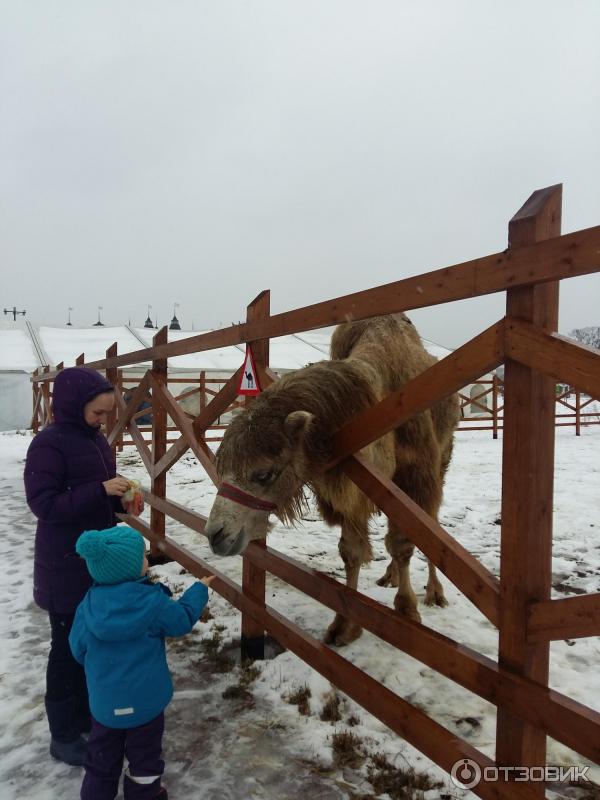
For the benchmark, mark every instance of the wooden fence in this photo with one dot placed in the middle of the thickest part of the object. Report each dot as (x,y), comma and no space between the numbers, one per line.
(482,409)
(519,602)
(125,384)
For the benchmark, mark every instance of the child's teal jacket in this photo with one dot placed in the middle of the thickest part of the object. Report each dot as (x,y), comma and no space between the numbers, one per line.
(119,637)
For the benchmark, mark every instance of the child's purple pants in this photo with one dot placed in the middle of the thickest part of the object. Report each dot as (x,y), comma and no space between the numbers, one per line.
(106,748)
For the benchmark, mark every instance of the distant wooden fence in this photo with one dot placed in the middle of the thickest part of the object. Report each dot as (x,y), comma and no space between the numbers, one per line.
(207,389)
(519,603)
(483,409)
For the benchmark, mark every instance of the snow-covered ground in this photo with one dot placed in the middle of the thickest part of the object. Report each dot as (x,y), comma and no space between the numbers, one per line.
(254,744)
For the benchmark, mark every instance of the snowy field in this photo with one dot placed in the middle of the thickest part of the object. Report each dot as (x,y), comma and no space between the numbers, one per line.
(252,743)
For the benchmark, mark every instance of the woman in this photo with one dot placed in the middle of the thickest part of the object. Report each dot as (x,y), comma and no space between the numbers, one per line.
(71,485)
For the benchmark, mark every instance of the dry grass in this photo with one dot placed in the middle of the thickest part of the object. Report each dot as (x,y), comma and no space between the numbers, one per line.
(299,697)
(248,672)
(348,750)
(403,783)
(331,709)
(237,692)
(211,648)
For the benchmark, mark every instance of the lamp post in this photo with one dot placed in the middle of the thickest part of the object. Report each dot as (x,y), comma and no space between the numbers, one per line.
(148,323)
(175,326)
(99,323)
(69,316)
(14,312)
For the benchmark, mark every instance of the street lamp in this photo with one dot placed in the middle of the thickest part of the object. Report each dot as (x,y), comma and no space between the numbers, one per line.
(69,316)
(175,326)
(14,312)
(99,323)
(148,323)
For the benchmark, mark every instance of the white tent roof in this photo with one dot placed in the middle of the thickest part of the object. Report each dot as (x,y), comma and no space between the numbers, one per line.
(224,359)
(18,350)
(286,352)
(65,344)
(436,349)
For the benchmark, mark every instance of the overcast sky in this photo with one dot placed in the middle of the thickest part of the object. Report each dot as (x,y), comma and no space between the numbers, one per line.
(154,152)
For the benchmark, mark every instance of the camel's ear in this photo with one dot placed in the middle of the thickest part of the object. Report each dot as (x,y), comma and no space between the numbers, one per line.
(297,423)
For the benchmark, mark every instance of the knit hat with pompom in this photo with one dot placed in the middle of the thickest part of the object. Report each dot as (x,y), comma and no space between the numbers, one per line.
(113,555)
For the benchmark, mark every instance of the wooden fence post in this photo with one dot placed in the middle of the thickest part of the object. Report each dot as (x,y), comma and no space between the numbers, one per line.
(495,405)
(112,378)
(253,577)
(60,366)
(159,439)
(577,412)
(527,490)
(47,416)
(202,390)
(119,389)
(35,415)
(80,360)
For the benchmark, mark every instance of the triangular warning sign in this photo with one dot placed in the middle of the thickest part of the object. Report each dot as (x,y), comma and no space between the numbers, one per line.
(249,384)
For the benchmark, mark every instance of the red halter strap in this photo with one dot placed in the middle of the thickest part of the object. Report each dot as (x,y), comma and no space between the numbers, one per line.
(244,499)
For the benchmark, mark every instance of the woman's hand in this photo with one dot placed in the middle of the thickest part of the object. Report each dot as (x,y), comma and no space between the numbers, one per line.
(116,487)
(208,580)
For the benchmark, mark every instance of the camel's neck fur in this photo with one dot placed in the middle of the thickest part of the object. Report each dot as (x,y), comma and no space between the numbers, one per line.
(333,391)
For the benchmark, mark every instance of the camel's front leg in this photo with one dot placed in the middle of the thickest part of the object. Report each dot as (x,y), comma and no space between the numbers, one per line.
(434,592)
(355,550)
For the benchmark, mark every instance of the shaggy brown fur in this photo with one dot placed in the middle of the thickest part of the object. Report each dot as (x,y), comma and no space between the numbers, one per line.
(284,440)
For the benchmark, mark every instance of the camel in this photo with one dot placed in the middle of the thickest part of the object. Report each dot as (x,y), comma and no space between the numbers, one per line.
(283,440)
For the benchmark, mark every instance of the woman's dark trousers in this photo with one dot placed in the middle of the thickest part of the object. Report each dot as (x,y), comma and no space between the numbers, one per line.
(106,749)
(67,704)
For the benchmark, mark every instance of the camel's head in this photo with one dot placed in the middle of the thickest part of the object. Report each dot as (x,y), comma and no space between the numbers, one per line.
(263,465)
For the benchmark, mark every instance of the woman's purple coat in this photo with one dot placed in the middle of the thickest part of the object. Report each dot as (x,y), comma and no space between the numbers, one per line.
(65,468)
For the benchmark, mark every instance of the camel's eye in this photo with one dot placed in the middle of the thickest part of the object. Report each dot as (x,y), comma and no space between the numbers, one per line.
(263,476)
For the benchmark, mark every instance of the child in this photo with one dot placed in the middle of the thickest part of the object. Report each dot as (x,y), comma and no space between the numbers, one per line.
(119,636)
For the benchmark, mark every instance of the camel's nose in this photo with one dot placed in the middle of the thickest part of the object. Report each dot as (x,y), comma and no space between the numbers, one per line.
(216,539)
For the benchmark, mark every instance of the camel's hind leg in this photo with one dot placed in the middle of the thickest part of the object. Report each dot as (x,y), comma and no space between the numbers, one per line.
(425,488)
(434,591)
(401,549)
(355,550)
